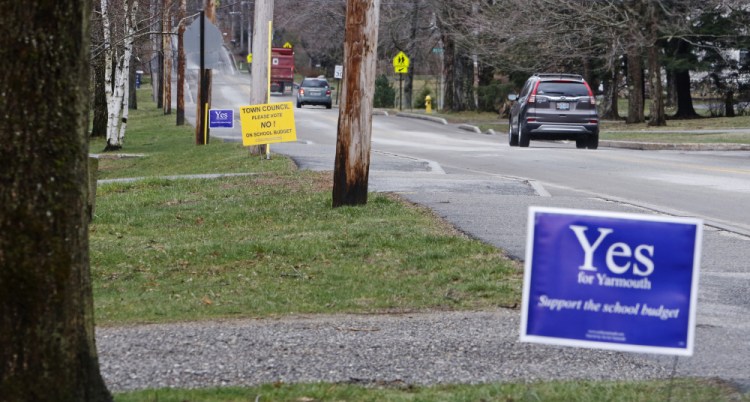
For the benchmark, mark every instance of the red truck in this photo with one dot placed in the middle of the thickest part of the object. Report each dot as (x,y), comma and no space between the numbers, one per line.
(282,69)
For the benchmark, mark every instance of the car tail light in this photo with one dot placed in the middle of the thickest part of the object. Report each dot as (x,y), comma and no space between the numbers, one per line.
(532,97)
(592,98)
(530,119)
(594,121)
(302,92)
(328,92)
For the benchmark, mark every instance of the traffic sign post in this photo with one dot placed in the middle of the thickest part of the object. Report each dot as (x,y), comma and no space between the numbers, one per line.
(401,66)
(338,73)
(401,63)
(612,281)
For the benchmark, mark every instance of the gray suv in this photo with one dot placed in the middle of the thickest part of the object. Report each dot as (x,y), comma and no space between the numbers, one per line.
(554,107)
(314,91)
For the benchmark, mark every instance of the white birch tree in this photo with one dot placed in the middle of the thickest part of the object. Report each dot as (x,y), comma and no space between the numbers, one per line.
(117,67)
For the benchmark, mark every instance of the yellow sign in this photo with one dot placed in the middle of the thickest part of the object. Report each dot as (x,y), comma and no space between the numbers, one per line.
(249,58)
(268,123)
(401,63)
(288,45)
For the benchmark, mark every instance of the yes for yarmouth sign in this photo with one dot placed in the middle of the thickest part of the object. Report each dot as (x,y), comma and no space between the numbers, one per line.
(613,281)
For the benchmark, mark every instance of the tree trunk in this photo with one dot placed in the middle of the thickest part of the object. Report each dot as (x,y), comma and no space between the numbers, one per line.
(685,109)
(167,49)
(658,117)
(635,87)
(411,52)
(610,108)
(181,64)
(449,72)
(671,99)
(160,74)
(133,96)
(682,86)
(154,63)
(99,125)
(729,103)
(47,343)
(352,165)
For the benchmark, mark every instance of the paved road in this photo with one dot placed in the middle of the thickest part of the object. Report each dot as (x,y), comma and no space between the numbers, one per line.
(442,347)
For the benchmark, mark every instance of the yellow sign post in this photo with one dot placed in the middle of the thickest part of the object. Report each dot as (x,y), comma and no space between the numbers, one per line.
(267,124)
(249,58)
(401,66)
(287,45)
(401,63)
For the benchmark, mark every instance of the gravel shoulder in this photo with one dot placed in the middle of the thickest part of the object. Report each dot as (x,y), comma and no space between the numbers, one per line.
(420,348)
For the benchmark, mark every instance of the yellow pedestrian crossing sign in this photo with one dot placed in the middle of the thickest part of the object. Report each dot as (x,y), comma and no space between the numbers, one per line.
(401,63)
(287,45)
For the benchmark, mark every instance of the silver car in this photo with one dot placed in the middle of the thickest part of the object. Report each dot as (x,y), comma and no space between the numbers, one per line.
(314,91)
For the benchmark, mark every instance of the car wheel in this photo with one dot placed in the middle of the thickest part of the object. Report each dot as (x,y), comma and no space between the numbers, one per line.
(593,142)
(582,144)
(299,105)
(328,105)
(512,138)
(523,136)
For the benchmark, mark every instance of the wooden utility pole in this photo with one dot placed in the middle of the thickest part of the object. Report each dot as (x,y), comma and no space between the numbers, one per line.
(261,55)
(204,90)
(181,64)
(352,166)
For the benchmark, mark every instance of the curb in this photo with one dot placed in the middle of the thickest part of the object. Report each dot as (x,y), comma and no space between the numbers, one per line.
(116,156)
(658,146)
(439,120)
(469,127)
(176,177)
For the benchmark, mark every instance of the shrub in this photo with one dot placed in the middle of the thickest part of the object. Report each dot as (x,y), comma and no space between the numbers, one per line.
(419,100)
(492,96)
(385,95)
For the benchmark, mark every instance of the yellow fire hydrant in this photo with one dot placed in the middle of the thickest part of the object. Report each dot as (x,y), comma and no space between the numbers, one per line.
(428,104)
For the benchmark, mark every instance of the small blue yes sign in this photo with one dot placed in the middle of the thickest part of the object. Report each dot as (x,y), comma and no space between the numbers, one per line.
(611,281)
(221,118)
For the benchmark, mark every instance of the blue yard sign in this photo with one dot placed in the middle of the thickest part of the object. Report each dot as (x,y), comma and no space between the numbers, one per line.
(221,118)
(613,281)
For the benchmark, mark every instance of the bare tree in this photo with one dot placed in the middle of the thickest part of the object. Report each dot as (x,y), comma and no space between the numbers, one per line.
(181,64)
(117,68)
(320,29)
(166,27)
(406,26)
(47,343)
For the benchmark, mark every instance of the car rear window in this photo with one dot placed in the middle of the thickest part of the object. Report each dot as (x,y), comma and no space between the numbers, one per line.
(562,88)
(314,83)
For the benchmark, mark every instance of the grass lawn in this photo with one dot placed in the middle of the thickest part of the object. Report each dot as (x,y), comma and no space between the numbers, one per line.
(269,244)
